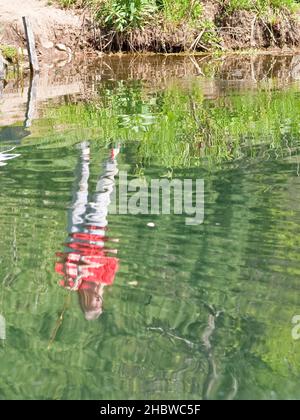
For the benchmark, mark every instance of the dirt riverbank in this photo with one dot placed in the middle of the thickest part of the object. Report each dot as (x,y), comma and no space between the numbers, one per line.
(63,33)
(59,33)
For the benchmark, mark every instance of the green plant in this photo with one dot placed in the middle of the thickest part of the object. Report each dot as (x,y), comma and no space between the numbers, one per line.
(260,6)
(178,10)
(121,15)
(9,52)
(67,3)
(210,36)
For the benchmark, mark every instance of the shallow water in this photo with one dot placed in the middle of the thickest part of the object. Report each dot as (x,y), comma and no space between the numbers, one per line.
(199,312)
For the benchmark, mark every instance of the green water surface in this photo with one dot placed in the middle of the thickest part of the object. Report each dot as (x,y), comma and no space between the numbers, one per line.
(195,312)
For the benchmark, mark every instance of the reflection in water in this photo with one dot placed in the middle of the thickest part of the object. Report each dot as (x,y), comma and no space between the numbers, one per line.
(202,312)
(86,264)
(2,328)
(31,100)
(6,155)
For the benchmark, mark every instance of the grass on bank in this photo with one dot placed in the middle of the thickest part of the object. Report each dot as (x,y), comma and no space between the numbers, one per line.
(182,25)
(9,52)
(260,6)
(122,15)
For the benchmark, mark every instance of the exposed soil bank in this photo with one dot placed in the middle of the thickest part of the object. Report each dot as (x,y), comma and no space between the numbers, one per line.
(217,29)
(52,27)
(61,34)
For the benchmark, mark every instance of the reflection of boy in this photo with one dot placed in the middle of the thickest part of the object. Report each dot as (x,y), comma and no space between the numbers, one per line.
(86,265)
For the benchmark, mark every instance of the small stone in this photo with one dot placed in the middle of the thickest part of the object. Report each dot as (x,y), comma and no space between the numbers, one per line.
(133,283)
(48,44)
(151,225)
(61,63)
(61,47)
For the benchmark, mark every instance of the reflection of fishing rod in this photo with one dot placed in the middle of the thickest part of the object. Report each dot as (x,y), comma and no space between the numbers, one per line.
(2,328)
(2,318)
(60,320)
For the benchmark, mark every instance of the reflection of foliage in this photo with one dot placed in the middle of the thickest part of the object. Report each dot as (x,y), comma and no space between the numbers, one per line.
(178,126)
(134,112)
(136,122)
(126,99)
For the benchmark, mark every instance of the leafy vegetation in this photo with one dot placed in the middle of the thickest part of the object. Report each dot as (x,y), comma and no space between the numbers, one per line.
(127,14)
(123,15)
(186,25)
(259,6)
(178,10)
(9,52)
